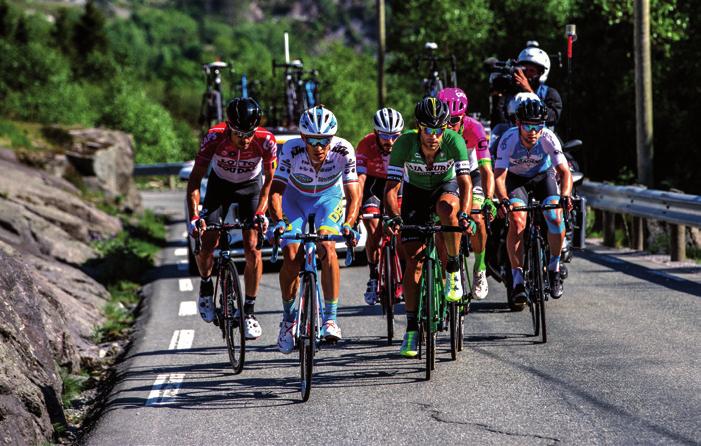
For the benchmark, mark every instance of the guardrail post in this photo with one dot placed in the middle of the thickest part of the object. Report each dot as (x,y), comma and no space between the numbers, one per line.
(637,241)
(171,181)
(678,243)
(609,224)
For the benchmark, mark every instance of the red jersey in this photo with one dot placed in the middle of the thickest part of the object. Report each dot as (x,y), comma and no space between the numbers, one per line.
(231,164)
(370,160)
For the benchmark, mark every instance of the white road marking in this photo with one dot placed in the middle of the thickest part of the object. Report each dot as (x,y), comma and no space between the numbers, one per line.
(180,251)
(185,284)
(165,389)
(184,234)
(187,308)
(182,339)
(182,265)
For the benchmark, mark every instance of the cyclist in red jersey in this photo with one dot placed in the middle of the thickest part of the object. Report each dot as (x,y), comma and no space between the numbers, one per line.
(372,155)
(239,152)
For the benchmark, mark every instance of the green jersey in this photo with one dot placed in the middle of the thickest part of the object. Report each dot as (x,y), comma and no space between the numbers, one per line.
(452,158)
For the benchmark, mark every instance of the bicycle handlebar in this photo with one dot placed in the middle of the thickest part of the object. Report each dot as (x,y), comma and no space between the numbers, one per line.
(545,207)
(313,237)
(432,229)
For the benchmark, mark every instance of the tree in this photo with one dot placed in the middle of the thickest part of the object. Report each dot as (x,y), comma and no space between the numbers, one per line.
(89,33)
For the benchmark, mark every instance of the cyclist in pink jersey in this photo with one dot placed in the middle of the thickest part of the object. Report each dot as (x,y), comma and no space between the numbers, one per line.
(372,155)
(475,138)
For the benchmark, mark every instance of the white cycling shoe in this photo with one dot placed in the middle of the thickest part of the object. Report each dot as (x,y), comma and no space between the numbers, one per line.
(251,328)
(331,331)
(285,339)
(205,304)
(371,292)
(480,288)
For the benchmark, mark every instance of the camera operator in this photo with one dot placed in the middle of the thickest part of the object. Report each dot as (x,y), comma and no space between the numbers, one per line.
(527,74)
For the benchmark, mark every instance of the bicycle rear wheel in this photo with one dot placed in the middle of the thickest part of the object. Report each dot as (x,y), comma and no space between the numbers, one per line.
(234,322)
(307,334)
(388,291)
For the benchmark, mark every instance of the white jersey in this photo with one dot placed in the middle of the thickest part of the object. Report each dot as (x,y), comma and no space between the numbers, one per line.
(296,170)
(518,160)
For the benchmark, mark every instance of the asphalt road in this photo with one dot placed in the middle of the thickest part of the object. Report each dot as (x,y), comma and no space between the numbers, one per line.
(621,366)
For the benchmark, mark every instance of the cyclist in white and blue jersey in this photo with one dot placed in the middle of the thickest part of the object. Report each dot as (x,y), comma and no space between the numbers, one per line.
(314,174)
(528,158)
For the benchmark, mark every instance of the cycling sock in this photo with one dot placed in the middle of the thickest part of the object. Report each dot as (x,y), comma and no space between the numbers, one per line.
(517,274)
(453,264)
(288,314)
(411,323)
(248,304)
(373,270)
(330,311)
(479,261)
(554,264)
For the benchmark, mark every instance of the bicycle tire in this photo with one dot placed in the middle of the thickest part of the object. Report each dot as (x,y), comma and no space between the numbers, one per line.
(540,266)
(233,324)
(388,292)
(454,316)
(428,315)
(307,334)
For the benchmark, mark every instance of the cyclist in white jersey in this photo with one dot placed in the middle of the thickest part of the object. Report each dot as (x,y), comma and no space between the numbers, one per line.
(315,173)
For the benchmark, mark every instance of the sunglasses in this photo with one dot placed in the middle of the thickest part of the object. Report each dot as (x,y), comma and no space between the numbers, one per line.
(241,134)
(532,127)
(388,136)
(433,131)
(455,120)
(323,142)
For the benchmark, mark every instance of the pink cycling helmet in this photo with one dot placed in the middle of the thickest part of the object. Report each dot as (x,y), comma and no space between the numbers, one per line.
(456,100)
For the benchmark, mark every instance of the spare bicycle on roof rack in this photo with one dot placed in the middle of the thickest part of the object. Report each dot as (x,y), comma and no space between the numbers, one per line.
(301,91)
(433,83)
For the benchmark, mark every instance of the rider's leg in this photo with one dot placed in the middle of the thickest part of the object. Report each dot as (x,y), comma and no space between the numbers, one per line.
(410,281)
(330,276)
(289,278)
(254,267)
(205,258)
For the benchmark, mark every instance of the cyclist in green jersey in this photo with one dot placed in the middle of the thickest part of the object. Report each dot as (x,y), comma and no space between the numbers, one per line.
(435,166)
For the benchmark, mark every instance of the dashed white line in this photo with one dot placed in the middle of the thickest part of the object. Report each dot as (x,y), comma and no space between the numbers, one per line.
(185,285)
(180,252)
(187,308)
(165,389)
(182,339)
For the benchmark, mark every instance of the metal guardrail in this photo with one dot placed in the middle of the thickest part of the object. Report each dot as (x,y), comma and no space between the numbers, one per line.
(677,209)
(160,169)
(672,207)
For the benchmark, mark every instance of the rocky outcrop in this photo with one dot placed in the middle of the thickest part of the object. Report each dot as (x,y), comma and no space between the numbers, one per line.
(105,160)
(48,306)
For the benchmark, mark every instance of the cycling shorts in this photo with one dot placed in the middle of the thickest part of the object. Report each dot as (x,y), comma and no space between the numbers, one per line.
(221,194)
(374,195)
(328,210)
(543,185)
(477,191)
(418,205)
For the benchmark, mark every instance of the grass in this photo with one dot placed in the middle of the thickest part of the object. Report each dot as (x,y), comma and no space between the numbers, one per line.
(119,312)
(73,385)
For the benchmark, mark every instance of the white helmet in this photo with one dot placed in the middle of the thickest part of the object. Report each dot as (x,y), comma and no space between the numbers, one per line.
(388,120)
(536,56)
(513,104)
(318,121)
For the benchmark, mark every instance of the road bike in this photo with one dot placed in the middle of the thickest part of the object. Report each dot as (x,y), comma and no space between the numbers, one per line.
(536,258)
(228,308)
(433,83)
(432,308)
(389,285)
(309,305)
(212,106)
(301,90)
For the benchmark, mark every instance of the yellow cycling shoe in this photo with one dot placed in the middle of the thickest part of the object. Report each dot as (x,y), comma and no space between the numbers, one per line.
(409,348)
(453,287)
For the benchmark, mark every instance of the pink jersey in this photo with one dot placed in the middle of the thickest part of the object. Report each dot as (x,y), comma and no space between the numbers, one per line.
(476,139)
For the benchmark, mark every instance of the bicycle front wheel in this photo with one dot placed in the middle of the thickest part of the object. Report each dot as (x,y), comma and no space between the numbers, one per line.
(308,325)
(233,316)
(429,331)
(388,291)
(539,261)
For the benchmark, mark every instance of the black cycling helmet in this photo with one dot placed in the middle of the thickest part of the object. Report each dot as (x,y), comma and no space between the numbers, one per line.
(243,114)
(531,110)
(431,112)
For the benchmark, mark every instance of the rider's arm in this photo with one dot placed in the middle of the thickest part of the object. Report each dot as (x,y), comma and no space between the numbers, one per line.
(463,167)
(276,190)
(501,166)
(500,183)
(193,190)
(350,188)
(395,174)
(551,145)
(465,187)
(269,160)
